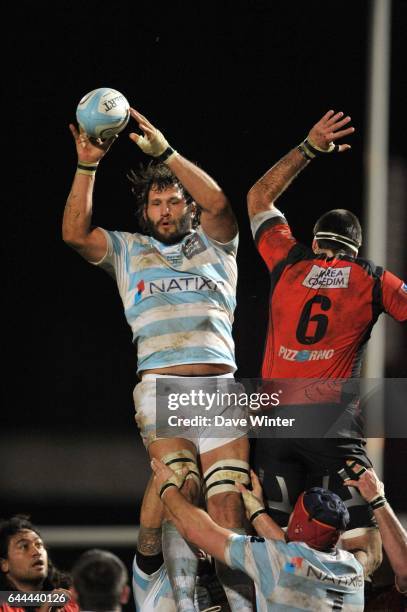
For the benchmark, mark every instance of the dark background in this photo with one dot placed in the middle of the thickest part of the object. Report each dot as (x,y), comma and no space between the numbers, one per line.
(233,85)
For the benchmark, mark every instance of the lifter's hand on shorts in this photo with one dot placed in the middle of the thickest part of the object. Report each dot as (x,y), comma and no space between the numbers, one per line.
(165,477)
(369,485)
(253,500)
(90,150)
(152,142)
(328,130)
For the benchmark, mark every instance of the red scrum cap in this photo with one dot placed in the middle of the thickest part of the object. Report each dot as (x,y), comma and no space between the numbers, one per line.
(318,519)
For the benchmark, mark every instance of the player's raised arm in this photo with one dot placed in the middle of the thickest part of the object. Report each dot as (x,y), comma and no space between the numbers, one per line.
(76,226)
(320,140)
(217,218)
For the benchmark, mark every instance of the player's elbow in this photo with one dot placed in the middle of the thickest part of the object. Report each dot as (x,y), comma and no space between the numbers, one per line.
(374,550)
(251,199)
(257,201)
(399,566)
(367,549)
(401,581)
(73,241)
(370,558)
(401,577)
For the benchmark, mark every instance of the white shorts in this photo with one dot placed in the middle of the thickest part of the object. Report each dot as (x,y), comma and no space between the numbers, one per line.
(207,433)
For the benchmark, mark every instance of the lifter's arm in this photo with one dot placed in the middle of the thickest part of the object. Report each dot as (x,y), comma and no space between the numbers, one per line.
(76,226)
(269,187)
(394,539)
(256,510)
(367,548)
(194,524)
(151,517)
(394,536)
(217,218)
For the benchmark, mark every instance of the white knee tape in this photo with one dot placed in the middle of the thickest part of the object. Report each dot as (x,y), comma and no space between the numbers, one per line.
(222,475)
(178,460)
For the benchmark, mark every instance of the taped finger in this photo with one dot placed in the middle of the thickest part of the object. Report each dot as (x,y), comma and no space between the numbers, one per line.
(349,472)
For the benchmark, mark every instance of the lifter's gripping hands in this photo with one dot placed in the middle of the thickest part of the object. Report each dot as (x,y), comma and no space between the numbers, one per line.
(165,477)
(253,500)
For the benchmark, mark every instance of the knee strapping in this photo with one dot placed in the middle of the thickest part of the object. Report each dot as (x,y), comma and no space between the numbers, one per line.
(178,460)
(222,476)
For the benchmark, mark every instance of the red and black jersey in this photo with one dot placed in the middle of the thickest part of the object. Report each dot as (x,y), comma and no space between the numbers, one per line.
(322,309)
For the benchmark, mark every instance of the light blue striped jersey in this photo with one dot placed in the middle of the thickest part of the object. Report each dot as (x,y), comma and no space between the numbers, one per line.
(292,576)
(152,592)
(179,299)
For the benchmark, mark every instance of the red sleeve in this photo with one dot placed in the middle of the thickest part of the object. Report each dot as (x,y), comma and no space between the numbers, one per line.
(72,606)
(394,293)
(274,241)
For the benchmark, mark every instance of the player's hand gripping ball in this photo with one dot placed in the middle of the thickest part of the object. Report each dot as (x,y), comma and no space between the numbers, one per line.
(103,113)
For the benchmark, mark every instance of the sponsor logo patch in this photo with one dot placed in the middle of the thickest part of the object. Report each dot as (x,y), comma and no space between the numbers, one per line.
(304,355)
(327,278)
(175,284)
(295,563)
(193,246)
(139,292)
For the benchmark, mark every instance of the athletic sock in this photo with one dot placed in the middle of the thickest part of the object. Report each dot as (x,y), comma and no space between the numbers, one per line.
(182,564)
(237,585)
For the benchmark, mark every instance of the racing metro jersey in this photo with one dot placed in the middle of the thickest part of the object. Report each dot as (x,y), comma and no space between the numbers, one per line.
(178,299)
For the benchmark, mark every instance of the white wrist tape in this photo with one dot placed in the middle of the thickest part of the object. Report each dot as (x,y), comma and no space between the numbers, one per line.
(252,504)
(154,147)
(176,480)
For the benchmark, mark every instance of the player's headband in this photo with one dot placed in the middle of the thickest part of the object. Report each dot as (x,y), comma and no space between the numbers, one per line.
(352,244)
(303,528)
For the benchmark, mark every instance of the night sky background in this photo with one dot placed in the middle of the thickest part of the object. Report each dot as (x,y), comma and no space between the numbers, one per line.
(233,85)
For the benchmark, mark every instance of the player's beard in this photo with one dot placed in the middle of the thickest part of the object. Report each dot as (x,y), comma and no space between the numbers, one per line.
(35,583)
(182,228)
(30,580)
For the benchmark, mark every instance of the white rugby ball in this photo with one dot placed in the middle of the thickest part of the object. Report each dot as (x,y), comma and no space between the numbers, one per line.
(103,113)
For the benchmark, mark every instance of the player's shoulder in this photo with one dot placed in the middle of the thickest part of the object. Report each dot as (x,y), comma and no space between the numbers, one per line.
(199,234)
(132,237)
(128,240)
(342,556)
(269,223)
(367,265)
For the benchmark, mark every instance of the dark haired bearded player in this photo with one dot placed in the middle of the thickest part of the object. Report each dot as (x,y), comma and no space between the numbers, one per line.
(178,287)
(26,568)
(324,302)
